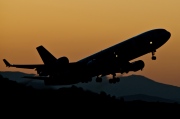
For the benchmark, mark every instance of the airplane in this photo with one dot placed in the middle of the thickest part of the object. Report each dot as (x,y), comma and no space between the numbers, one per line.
(112,60)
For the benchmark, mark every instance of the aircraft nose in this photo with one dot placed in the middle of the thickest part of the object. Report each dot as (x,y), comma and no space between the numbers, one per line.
(165,37)
(168,34)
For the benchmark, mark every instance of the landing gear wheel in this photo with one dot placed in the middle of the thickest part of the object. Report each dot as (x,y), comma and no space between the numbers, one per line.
(117,79)
(110,80)
(153,57)
(114,80)
(98,79)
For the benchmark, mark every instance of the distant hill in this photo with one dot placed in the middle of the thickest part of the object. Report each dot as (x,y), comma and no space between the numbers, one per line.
(17,97)
(134,86)
(13,93)
(146,98)
(17,76)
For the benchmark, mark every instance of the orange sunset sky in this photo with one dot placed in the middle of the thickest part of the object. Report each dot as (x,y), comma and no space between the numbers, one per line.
(79,28)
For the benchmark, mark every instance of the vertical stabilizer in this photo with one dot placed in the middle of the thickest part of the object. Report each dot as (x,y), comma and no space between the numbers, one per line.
(46,56)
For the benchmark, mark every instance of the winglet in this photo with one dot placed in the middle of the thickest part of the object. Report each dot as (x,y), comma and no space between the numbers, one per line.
(7,63)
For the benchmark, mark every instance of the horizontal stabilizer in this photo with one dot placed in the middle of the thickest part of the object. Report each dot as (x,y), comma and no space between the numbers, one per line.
(7,63)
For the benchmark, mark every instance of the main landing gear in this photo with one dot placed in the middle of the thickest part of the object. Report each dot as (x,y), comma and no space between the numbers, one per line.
(98,79)
(153,57)
(114,79)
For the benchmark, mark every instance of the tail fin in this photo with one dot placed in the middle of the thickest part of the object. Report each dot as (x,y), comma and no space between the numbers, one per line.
(46,56)
(7,63)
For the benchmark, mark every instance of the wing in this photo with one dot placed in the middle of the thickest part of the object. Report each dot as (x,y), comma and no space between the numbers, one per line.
(30,66)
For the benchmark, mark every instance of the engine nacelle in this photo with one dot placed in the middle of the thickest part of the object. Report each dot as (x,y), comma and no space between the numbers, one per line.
(63,61)
(137,65)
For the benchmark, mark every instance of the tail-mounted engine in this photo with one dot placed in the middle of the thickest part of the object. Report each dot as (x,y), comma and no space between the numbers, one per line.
(62,61)
(60,64)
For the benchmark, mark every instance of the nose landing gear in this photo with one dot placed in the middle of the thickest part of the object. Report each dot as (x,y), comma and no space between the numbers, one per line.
(153,57)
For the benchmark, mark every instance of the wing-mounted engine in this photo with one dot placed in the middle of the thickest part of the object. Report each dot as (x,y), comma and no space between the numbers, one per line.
(137,65)
(134,66)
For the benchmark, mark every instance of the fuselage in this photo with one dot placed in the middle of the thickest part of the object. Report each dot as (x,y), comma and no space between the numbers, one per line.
(110,59)
(133,47)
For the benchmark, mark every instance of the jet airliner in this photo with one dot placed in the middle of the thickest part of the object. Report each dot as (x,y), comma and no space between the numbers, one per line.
(113,60)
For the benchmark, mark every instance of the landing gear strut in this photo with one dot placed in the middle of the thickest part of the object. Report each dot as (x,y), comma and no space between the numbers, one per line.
(114,79)
(153,57)
(98,79)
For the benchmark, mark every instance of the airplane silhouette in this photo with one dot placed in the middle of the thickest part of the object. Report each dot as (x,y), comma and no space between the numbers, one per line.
(115,59)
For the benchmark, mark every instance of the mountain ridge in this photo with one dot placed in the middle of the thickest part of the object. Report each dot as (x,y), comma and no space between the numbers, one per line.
(128,85)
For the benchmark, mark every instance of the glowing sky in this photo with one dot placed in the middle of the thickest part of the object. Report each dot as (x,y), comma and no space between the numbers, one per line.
(79,28)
